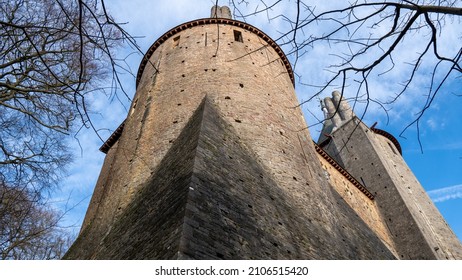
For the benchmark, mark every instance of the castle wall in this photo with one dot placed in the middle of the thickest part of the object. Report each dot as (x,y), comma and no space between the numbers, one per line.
(193,63)
(417,228)
(364,207)
(253,188)
(427,217)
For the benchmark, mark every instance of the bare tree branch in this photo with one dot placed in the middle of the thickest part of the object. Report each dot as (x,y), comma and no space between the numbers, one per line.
(367,40)
(54,54)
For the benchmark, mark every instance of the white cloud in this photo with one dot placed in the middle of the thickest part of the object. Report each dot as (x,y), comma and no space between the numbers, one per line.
(435,123)
(444,194)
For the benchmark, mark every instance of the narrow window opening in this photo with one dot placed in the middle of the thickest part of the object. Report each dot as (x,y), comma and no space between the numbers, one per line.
(391,147)
(134,106)
(176,41)
(238,36)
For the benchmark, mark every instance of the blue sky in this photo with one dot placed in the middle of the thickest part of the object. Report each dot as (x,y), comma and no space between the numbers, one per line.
(438,168)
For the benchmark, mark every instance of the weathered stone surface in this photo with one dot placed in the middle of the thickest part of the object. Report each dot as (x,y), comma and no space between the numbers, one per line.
(417,229)
(215,162)
(210,199)
(365,207)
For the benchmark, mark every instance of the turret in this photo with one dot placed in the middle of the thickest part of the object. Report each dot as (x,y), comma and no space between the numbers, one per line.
(373,156)
(214,161)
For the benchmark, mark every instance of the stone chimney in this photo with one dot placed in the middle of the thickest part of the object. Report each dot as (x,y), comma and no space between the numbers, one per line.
(337,112)
(220,12)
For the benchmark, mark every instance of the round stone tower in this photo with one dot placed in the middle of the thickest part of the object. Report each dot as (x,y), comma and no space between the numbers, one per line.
(214,160)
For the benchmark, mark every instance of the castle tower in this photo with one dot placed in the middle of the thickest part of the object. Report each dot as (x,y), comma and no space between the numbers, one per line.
(214,160)
(373,156)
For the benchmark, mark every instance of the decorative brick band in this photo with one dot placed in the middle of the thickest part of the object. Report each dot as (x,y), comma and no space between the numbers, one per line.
(342,171)
(113,138)
(206,21)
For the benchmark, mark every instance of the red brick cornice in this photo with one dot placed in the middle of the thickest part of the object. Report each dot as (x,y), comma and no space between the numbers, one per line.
(342,171)
(113,138)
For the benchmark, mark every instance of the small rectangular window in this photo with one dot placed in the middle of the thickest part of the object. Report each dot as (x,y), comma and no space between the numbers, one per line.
(238,36)
(176,41)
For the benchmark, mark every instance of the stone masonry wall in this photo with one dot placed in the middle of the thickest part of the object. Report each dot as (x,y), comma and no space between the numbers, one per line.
(416,226)
(191,209)
(363,206)
(427,217)
(254,188)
